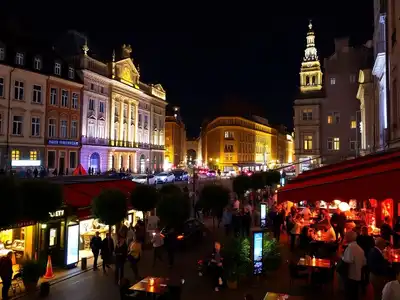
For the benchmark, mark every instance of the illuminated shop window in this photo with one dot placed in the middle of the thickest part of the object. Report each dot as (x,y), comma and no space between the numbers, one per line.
(33,155)
(353,124)
(15,154)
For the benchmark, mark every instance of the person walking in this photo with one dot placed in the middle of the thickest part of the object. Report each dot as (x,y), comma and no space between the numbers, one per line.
(107,250)
(158,243)
(171,245)
(134,254)
(6,272)
(95,245)
(121,252)
(227,220)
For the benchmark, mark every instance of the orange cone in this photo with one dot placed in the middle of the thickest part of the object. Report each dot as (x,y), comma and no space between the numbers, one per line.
(49,269)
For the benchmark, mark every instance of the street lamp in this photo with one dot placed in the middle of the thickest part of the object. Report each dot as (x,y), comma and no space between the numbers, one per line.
(148,171)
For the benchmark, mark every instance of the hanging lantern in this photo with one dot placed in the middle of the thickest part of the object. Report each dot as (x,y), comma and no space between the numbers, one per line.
(344,206)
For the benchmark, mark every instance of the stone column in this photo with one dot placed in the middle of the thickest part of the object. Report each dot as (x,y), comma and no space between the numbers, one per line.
(112,117)
(136,122)
(129,139)
(121,121)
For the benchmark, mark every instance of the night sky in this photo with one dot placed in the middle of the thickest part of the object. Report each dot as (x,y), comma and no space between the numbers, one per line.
(208,56)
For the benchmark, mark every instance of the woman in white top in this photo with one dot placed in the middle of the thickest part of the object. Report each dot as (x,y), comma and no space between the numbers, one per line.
(391,291)
(295,232)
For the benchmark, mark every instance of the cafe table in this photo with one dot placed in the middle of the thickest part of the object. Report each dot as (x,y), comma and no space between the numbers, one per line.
(150,285)
(278,296)
(314,263)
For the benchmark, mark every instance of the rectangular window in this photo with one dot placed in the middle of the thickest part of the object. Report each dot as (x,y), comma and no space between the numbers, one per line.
(307,114)
(57,68)
(64,98)
(307,142)
(71,73)
(334,118)
(53,96)
(125,111)
(17,125)
(101,131)
(91,104)
(140,121)
(228,134)
(35,126)
(63,128)
(37,63)
(19,58)
(132,113)
(102,90)
(146,122)
(18,90)
(101,107)
(15,154)
(333,143)
(37,94)
(353,145)
(33,155)
(91,130)
(353,124)
(74,129)
(52,128)
(72,160)
(333,80)
(2,53)
(1,87)
(75,100)
(1,123)
(51,159)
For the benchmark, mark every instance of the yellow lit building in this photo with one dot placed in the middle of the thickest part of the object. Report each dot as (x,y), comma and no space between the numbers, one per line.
(175,140)
(237,143)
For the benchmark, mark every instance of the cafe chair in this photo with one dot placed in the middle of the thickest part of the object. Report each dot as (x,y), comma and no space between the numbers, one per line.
(17,283)
(295,274)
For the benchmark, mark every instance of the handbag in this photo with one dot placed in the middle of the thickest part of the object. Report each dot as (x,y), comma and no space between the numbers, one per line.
(342,268)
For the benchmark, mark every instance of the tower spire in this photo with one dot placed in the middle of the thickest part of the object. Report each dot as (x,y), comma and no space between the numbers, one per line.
(310,72)
(85,47)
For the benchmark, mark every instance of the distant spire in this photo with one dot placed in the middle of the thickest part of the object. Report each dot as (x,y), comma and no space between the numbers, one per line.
(310,24)
(310,52)
(113,56)
(138,68)
(85,47)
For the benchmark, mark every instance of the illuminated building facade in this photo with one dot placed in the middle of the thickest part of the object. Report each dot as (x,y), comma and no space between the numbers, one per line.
(175,140)
(122,118)
(327,111)
(238,143)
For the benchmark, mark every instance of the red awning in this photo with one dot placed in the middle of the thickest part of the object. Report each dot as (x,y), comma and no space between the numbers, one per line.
(75,198)
(376,182)
(347,165)
(85,213)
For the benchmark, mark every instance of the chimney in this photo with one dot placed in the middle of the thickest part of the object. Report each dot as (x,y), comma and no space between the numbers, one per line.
(341,44)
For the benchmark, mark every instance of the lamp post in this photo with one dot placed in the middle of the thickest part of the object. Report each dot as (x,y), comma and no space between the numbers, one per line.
(148,171)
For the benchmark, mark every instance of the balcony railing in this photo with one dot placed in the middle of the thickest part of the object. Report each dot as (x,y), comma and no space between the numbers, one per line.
(120,143)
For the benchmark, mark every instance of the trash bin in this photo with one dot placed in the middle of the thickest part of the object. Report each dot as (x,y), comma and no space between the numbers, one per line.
(84,263)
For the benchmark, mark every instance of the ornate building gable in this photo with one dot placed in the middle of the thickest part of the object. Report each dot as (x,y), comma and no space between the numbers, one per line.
(158,91)
(125,70)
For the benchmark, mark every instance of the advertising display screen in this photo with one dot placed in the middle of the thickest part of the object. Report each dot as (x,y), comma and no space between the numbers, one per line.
(263,215)
(73,244)
(257,253)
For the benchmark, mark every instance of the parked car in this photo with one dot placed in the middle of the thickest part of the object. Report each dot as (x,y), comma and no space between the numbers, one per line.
(120,175)
(143,179)
(180,175)
(191,232)
(165,177)
(211,173)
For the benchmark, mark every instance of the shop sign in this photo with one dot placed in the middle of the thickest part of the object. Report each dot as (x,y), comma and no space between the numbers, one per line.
(263,215)
(57,214)
(63,143)
(19,225)
(258,241)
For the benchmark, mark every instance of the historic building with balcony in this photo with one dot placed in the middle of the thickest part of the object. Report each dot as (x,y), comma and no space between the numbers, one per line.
(122,118)
(243,143)
(175,139)
(26,72)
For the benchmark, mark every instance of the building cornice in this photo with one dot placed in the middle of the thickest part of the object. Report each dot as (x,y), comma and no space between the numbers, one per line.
(66,82)
(96,77)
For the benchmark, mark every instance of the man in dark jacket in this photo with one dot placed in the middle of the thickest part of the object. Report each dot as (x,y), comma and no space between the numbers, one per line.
(6,272)
(379,267)
(95,245)
(121,253)
(107,249)
(338,222)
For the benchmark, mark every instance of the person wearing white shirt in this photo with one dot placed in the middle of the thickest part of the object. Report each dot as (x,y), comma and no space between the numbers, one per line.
(355,258)
(306,213)
(391,291)
(329,235)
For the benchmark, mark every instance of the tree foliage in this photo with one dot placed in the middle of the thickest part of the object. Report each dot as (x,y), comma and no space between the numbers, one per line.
(214,197)
(258,180)
(173,209)
(144,198)
(11,206)
(241,184)
(38,198)
(110,206)
(272,177)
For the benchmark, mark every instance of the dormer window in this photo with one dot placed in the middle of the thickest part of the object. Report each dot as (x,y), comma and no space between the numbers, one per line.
(37,63)
(19,58)
(71,73)
(2,53)
(57,68)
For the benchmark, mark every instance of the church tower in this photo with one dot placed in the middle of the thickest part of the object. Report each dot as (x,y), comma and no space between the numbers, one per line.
(310,72)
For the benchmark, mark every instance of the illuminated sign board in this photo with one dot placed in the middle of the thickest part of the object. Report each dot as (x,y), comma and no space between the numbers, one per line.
(258,264)
(63,143)
(263,215)
(73,244)
(56,214)
(26,163)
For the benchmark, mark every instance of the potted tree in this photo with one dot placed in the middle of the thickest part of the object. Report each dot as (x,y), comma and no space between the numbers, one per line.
(232,277)
(241,184)
(31,271)
(237,261)
(214,197)
(173,209)
(271,257)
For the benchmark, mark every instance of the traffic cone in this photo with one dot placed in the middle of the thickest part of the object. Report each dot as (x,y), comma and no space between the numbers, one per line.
(49,269)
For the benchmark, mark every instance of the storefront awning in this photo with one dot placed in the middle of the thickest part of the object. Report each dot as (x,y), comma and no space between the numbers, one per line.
(75,198)
(347,165)
(377,181)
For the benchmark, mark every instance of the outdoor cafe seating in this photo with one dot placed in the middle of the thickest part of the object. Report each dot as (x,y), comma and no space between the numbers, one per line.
(153,288)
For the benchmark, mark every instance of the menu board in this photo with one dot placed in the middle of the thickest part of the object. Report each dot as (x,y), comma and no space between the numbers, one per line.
(73,244)
(257,253)
(263,215)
